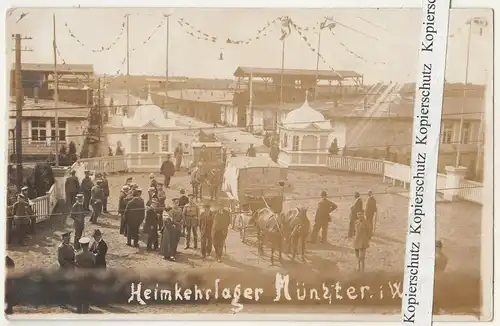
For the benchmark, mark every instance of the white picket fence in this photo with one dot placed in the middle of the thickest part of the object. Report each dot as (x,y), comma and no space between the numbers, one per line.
(400,174)
(44,206)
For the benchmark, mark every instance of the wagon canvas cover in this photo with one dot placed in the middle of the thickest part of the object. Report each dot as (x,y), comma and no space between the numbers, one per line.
(246,177)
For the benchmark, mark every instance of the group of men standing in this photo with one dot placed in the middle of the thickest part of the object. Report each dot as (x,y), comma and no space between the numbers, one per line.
(165,225)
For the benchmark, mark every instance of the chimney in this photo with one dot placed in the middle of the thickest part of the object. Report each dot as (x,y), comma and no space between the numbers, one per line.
(35,94)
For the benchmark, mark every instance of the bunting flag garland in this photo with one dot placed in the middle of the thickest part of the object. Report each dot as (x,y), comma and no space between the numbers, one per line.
(195,32)
(103,48)
(262,32)
(327,23)
(346,48)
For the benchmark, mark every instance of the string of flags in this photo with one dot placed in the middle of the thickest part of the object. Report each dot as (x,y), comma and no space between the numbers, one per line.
(195,32)
(356,55)
(261,32)
(103,48)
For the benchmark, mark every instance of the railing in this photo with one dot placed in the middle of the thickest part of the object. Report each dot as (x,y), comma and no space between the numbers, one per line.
(355,164)
(44,205)
(471,191)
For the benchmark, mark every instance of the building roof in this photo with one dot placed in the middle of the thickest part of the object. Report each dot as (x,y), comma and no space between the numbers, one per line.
(200,95)
(271,72)
(149,113)
(306,117)
(61,68)
(46,109)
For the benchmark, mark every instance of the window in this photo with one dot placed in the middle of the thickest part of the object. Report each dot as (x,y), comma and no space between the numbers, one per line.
(298,84)
(165,143)
(284,141)
(144,143)
(38,130)
(446,133)
(466,133)
(62,130)
(295,143)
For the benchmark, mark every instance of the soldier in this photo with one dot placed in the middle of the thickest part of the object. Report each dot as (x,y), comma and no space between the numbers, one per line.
(206,223)
(355,208)
(96,198)
(99,248)
(151,225)
(105,190)
(152,181)
(162,197)
(66,252)
(86,188)
(183,199)
(128,181)
(134,216)
(78,215)
(191,214)
(371,211)
(84,260)
(178,223)
(23,216)
(151,195)
(72,187)
(122,203)
(178,153)
(222,220)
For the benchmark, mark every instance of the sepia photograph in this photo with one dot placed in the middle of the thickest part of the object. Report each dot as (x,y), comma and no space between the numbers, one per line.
(248,161)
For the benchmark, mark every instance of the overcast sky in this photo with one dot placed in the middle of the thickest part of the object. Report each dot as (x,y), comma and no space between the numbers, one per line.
(384,43)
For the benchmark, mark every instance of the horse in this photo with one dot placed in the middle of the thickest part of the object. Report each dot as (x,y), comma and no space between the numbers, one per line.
(296,226)
(269,227)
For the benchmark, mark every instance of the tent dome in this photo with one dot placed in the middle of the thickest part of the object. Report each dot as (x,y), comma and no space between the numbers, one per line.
(148,113)
(305,116)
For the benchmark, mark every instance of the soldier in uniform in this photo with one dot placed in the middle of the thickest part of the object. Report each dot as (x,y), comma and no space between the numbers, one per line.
(86,188)
(191,214)
(72,187)
(222,220)
(152,181)
(206,223)
(178,223)
(96,198)
(151,195)
(78,215)
(24,216)
(66,252)
(162,197)
(122,203)
(105,190)
(134,216)
(84,260)
(151,224)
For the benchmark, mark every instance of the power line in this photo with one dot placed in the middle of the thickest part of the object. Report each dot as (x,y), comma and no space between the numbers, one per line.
(285,199)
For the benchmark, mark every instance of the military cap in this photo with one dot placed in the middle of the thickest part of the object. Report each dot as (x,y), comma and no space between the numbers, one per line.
(63,234)
(98,181)
(151,189)
(137,190)
(84,241)
(125,187)
(79,196)
(24,188)
(97,233)
(129,179)
(182,191)
(151,175)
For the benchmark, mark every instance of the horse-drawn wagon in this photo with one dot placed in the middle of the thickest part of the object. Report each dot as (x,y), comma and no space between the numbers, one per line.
(252,183)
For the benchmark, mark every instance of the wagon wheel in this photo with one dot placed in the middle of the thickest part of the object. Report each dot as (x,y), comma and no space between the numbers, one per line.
(243,230)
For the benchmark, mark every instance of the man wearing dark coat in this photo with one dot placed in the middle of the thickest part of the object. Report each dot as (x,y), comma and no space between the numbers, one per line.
(178,221)
(167,170)
(151,225)
(105,190)
(77,214)
(96,200)
(134,216)
(274,152)
(23,217)
(370,211)
(99,248)
(206,223)
(356,207)
(251,152)
(86,188)
(152,181)
(169,239)
(162,197)
(322,218)
(71,187)
(122,203)
(191,214)
(222,220)
(84,260)
(65,252)
(178,153)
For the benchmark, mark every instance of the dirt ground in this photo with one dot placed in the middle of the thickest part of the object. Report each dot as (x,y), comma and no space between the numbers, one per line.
(458,225)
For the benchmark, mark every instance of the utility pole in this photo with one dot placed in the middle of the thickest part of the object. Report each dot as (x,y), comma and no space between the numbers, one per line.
(281,84)
(166,60)
(56,91)
(19,112)
(128,65)
(317,65)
